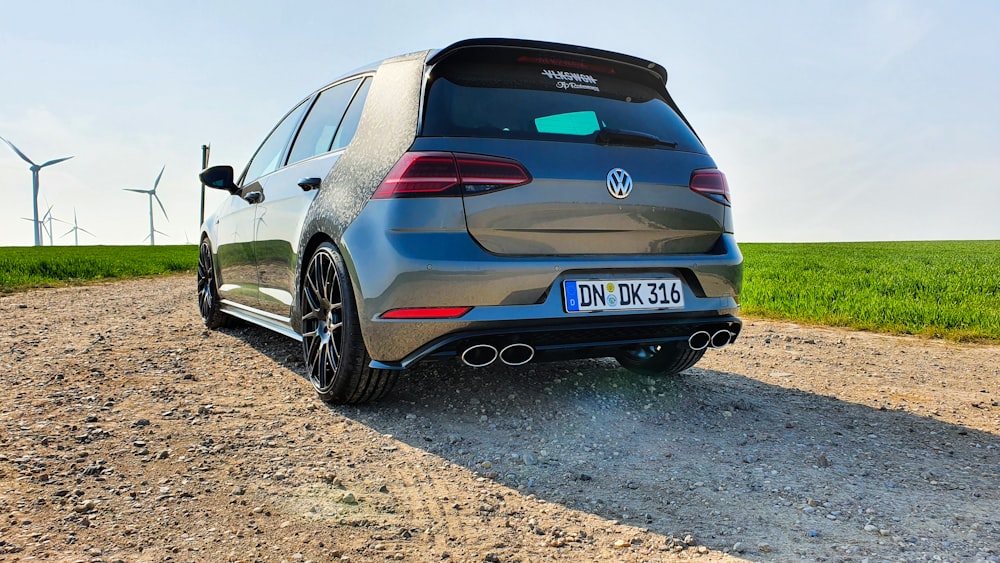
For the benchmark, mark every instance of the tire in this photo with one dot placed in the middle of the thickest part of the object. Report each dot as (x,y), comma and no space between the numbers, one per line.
(659,360)
(209,302)
(336,359)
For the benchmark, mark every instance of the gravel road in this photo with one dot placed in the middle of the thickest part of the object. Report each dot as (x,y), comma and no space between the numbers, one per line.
(130,433)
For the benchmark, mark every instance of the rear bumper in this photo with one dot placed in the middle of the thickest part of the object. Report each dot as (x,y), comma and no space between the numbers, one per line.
(418,253)
(564,340)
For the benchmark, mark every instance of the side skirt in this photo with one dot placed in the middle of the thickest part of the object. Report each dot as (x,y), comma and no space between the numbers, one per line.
(281,325)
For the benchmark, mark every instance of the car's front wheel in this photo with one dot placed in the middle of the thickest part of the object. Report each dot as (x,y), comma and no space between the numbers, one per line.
(209,302)
(659,359)
(335,354)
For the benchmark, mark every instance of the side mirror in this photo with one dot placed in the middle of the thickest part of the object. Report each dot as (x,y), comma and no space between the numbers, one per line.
(219,177)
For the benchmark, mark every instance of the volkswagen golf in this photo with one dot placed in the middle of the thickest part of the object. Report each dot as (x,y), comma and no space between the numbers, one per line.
(497,200)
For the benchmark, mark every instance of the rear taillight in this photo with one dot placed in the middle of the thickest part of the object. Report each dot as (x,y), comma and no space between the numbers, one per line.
(709,182)
(421,174)
(440,174)
(486,173)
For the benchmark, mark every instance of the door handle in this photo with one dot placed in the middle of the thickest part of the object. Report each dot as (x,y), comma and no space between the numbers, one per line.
(254,197)
(310,183)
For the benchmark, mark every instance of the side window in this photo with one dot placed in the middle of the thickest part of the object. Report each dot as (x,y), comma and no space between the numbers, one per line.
(316,135)
(268,156)
(350,124)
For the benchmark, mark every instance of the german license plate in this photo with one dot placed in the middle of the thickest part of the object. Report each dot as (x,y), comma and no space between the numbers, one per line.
(622,295)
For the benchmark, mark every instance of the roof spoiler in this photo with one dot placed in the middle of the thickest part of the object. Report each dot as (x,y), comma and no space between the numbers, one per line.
(651,67)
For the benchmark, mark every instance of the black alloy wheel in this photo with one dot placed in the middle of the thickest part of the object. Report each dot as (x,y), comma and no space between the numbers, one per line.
(335,355)
(209,302)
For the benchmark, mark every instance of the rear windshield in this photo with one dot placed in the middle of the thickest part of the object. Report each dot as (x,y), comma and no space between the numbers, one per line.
(545,102)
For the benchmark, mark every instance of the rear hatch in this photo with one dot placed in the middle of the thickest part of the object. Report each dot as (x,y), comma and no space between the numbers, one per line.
(608,156)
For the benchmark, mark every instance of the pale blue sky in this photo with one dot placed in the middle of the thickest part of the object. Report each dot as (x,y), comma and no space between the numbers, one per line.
(834,121)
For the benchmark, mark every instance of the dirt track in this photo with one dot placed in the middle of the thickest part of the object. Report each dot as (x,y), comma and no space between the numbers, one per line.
(129,433)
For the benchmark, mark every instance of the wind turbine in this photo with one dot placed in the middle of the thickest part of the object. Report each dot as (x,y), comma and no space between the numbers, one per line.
(35,168)
(152,195)
(45,225)
(49,218)
(76,230)
(38,224)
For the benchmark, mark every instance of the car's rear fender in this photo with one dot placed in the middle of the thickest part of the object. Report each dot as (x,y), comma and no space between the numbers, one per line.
(386,130)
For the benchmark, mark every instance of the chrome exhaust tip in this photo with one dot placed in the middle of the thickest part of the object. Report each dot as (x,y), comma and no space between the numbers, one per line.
(517,354)
(480,355)
(700,340)
(721,339)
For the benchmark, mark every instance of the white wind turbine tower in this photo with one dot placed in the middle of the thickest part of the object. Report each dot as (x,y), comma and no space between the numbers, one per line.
(35,168)
(76,230)
(152,195)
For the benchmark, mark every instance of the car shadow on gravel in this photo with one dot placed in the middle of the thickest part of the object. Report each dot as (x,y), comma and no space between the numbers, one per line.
(766,471)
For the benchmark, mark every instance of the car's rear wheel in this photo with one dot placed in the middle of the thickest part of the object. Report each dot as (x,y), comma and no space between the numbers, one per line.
(659,360)
(209,302)
(335,354)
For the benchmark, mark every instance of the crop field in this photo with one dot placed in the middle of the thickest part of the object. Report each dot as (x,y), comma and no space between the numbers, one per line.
(26,267)
(941,289)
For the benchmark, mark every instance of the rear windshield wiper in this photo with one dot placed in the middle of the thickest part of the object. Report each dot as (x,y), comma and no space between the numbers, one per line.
(608,136)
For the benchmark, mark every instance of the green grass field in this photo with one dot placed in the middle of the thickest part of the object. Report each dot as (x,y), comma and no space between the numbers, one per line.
(940,289)
(26,267)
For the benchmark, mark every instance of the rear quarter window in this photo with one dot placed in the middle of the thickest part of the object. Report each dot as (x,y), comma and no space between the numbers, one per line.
(537,102)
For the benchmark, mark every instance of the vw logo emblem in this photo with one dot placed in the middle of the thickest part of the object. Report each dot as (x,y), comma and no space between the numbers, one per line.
(619,183)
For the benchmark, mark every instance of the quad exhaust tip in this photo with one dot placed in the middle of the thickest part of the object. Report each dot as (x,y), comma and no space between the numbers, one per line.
(702,339)
(480,355)
(721,339)
(517,354)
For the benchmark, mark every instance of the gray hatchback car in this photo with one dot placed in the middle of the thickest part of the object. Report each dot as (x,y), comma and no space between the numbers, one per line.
(497,200)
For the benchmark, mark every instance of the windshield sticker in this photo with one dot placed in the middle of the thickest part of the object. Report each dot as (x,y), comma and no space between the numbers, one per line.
(572,80)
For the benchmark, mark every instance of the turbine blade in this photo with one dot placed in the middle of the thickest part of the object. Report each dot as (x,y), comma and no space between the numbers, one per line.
(157,198)
(56,161)
(82,230)
(161,233)
(157,182)
(18,151)
(68,232)
(137,191)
